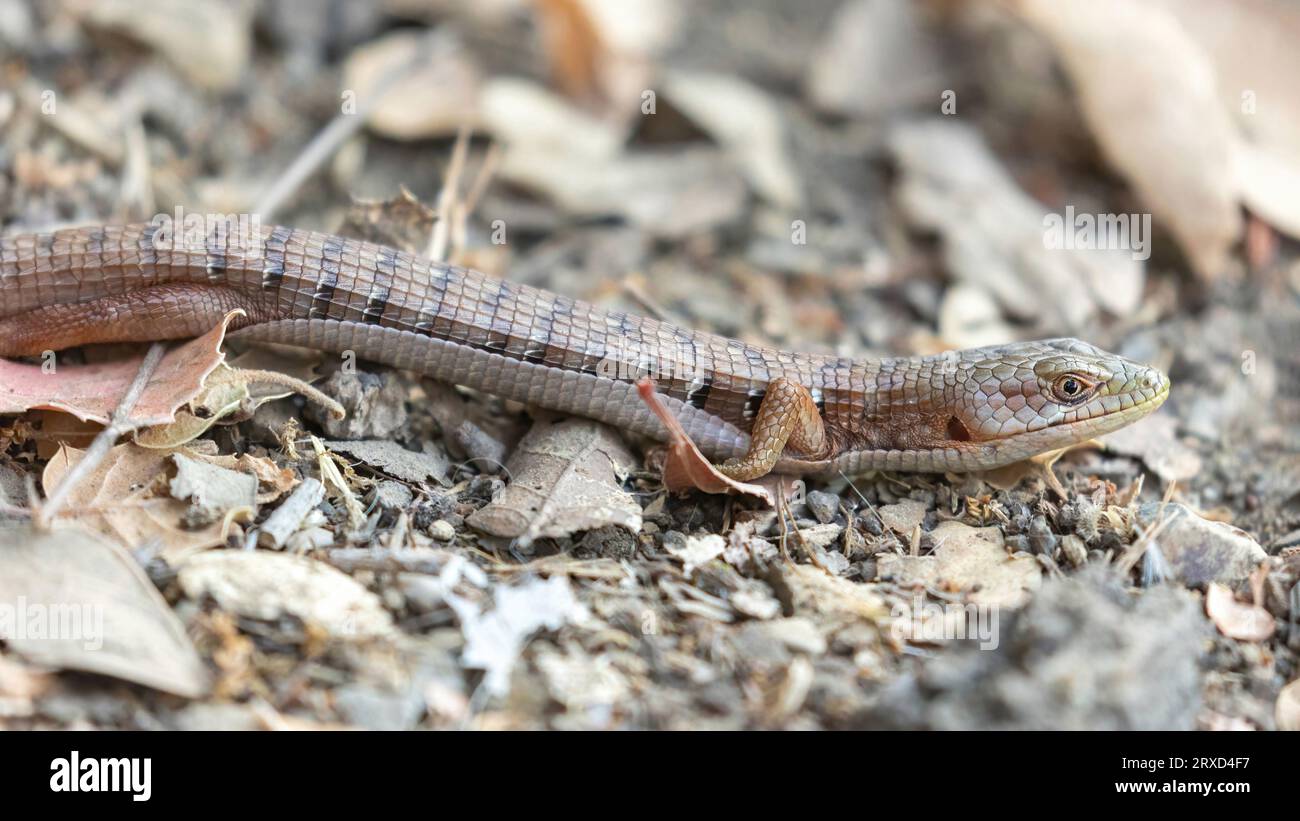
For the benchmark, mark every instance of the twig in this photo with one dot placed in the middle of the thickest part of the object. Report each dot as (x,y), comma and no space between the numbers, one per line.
(327,141)
(426,560)
(285,519)
(1129,558)
(486,170)
(448,198)
(104,441)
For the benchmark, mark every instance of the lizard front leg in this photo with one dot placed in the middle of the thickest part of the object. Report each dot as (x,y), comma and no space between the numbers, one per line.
(787,417)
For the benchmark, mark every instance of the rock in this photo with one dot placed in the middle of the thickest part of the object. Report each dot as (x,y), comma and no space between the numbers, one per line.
(1200,551)
(824,506)
(442,530)
(903,516)
(798,634)
(392,495)
(1041,537)
(1154,440)
(375,404)
(1076,553)
(1085,654)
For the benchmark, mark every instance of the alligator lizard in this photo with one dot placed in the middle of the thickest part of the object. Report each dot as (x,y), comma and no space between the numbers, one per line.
(757,408)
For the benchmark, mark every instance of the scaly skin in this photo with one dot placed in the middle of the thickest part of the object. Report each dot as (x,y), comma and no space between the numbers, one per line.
(965,410)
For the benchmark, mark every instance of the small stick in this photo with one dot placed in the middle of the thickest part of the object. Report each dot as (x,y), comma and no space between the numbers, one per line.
(327,141)
(104,441)
(285,520)
(426,560)
(448,198)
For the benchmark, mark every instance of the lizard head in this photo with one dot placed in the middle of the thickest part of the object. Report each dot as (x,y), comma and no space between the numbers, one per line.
(1030,397)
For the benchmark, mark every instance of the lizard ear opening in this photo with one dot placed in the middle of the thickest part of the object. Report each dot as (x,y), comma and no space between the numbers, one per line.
(957,432)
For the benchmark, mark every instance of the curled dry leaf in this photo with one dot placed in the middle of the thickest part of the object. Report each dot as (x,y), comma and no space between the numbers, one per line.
(564,478)
(685,468)
(1235,619)
(228,395)
(93,392)
(402,222)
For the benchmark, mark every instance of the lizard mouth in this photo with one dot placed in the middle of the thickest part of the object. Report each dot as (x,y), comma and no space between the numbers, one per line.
(1022,445)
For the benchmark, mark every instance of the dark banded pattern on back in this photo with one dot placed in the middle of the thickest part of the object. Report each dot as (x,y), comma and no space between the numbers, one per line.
(301,274)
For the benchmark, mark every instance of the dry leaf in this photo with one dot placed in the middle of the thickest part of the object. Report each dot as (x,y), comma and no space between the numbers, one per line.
(1251,46)
(685,468)
(77,601)
(273,481)
(878,58)
(263,585)
(698,551)
(1149,94)
(574,51)
(396,461)
(211,489)
(995,235)
(1237,620)
(210,41)
(93,392)
(967,559)
(401,222)
(605,54)
(124,499)
(747,123)
(564,477)
(494,640)
(673,195)
(435,98)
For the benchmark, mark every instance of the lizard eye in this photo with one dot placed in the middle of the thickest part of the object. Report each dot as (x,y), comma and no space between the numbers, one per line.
(1072,388)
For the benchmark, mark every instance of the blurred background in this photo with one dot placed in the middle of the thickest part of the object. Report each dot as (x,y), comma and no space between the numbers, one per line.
(866,177)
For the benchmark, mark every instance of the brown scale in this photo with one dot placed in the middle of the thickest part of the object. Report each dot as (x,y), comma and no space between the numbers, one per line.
(80,286)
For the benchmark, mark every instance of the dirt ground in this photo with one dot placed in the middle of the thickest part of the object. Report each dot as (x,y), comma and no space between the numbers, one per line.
(859,177)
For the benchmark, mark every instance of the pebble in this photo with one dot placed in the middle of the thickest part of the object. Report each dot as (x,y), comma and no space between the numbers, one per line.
(442,530)
(824,506)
